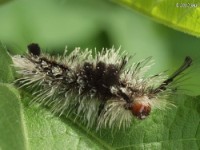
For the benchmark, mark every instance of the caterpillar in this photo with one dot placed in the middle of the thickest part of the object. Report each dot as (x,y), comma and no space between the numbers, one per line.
(100,88)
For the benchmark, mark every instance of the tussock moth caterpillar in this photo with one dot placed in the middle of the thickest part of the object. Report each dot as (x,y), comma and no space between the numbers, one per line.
(99,88)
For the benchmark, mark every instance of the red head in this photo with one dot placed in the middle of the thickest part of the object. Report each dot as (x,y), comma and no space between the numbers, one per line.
(140,107)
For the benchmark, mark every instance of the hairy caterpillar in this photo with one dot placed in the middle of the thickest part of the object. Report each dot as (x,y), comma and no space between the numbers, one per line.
(99,88)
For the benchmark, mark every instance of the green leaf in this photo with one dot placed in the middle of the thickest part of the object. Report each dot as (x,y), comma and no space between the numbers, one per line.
(46,131)
(35,127)
(12,125)
(5,65)
(180,15)
(175,128)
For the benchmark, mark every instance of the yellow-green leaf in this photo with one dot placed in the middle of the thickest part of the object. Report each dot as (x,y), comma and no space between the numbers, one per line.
(180,15)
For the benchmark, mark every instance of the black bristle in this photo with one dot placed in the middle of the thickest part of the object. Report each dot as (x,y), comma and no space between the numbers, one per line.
(34,49)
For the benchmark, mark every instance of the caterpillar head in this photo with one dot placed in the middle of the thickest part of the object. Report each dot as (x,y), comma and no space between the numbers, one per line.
(140,107)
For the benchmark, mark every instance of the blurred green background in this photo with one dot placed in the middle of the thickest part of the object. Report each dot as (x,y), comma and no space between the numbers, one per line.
(55,24)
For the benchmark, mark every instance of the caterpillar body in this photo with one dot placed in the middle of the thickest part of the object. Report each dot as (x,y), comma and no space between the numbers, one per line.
(100,88)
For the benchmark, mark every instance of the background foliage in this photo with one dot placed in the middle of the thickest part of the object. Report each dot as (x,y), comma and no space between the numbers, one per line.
(90,24)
